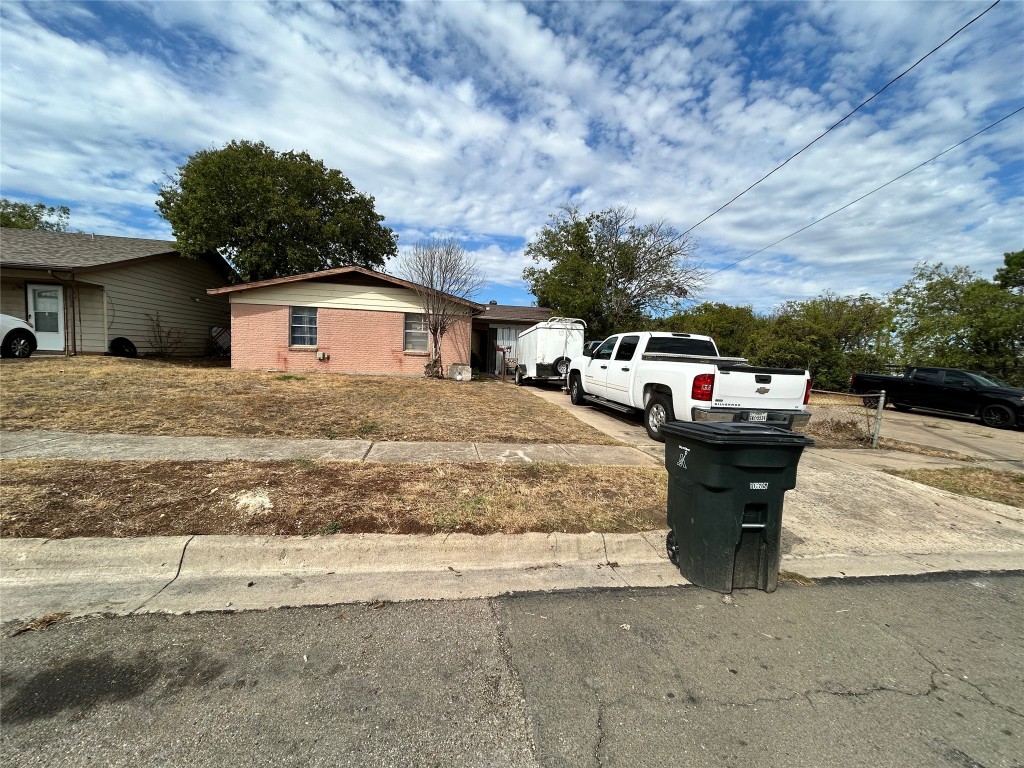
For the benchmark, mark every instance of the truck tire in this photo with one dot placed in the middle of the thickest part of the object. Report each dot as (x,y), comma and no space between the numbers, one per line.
(657,411)
(998,416)
(871,399)
(576,390)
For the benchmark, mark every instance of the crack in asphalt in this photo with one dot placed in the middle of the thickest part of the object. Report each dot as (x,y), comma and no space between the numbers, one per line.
(177,573)
(505,652)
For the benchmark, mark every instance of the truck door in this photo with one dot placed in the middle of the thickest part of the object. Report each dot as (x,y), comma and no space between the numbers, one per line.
(923,388)
(596,374)
(958,393)
(619,370)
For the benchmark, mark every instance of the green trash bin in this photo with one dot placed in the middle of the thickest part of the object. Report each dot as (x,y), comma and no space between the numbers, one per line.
(726,486)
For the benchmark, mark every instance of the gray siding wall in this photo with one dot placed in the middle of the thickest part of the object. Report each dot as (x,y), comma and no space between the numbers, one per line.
(172,286)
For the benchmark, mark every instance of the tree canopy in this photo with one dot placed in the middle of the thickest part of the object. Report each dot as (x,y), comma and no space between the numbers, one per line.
(950,316)
(34,216)
(272,214)
(611,271)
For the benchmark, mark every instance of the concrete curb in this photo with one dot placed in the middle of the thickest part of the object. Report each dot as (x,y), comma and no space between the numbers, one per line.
(217,573)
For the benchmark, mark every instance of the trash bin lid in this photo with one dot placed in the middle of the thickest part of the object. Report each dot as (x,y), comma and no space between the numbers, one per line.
(734,433)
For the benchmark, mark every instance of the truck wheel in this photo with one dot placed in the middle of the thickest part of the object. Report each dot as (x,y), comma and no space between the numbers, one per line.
(576,390)
(998,416)
(519,377)
(657,412)
(871,400)
(562,365)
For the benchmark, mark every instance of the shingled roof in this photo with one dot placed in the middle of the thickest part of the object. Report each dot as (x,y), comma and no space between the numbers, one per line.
(37,249)
(511,314)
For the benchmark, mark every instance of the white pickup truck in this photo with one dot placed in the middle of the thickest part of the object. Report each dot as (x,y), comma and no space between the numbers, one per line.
(681,376)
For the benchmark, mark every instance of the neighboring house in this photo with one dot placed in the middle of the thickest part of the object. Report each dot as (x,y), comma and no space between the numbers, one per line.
(345,320)
(84,292)
(498,328)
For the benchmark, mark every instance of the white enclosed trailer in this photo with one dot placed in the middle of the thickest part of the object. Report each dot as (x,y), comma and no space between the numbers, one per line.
(545,349)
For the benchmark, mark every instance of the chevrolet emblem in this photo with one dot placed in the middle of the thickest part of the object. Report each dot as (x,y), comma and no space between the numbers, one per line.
(762,390)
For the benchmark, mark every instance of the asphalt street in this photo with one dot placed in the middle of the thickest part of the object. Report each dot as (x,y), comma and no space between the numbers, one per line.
(923,671)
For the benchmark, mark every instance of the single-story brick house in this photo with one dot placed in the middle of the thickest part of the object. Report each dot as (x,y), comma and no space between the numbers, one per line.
(344,320)
(498,328)
(88,293)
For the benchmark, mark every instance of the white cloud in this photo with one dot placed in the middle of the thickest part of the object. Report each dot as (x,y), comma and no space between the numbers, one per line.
(482,118)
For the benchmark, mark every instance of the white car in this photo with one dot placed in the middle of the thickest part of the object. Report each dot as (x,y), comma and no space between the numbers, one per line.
(18,338)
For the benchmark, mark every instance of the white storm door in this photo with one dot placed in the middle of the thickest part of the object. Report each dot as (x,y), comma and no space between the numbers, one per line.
(46,314)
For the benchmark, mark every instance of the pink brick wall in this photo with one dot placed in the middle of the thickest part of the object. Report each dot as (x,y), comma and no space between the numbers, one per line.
(355,341)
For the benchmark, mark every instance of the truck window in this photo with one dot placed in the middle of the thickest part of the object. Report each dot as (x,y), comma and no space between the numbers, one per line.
(674,345)
(604,352)
(927,376)
(627,347)
(957,379)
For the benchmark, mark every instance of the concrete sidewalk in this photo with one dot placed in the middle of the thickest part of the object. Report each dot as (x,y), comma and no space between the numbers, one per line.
(69,445)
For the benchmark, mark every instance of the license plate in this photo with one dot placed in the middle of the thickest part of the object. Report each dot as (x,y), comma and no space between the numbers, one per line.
(758,417)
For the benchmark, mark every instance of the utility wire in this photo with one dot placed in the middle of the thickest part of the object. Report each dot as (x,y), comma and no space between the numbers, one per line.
(876,189)
(836,125)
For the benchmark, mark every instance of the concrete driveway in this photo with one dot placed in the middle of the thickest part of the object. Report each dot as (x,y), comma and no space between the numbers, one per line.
(1002,448)
(955,433)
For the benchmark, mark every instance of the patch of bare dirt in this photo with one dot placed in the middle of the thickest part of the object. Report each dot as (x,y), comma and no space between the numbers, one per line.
(63,499)
(94,394)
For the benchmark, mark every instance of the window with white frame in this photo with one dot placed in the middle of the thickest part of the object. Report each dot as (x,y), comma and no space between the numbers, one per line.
(417,335)
(303,327)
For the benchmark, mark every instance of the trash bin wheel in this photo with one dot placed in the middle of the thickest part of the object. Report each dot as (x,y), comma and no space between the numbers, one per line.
(672,548)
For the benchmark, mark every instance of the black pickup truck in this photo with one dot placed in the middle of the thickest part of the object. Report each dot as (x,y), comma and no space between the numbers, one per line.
(946,389)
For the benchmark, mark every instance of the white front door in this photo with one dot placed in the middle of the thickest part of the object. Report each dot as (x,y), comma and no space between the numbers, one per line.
(46,314)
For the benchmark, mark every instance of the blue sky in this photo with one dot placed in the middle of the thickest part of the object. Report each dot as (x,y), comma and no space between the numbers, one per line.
(479,120)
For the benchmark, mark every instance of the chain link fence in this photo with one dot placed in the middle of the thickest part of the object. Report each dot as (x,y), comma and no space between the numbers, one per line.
(842,420)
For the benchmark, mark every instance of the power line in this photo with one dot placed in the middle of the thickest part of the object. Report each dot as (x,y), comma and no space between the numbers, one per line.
(876,189)
(836,125)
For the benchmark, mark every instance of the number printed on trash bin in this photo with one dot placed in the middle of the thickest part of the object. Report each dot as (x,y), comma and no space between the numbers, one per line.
(759,486)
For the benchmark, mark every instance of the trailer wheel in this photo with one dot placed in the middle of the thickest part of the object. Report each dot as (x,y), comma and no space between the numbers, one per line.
(562,365)
(519,376)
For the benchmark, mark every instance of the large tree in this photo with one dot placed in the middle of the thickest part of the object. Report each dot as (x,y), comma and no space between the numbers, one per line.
(441,269)
(272,214)
(611,271)
(832,336)
(33,216)
(731,327)
(950,316)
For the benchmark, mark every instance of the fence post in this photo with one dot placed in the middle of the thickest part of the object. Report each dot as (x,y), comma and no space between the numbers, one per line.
(878,419)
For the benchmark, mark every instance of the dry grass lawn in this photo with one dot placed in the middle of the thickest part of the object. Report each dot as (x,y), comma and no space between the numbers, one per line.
(988,484)
(63,499)
(151,397)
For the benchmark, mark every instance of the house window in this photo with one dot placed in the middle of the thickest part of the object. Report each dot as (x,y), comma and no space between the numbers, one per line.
(416,334)
(303,327)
